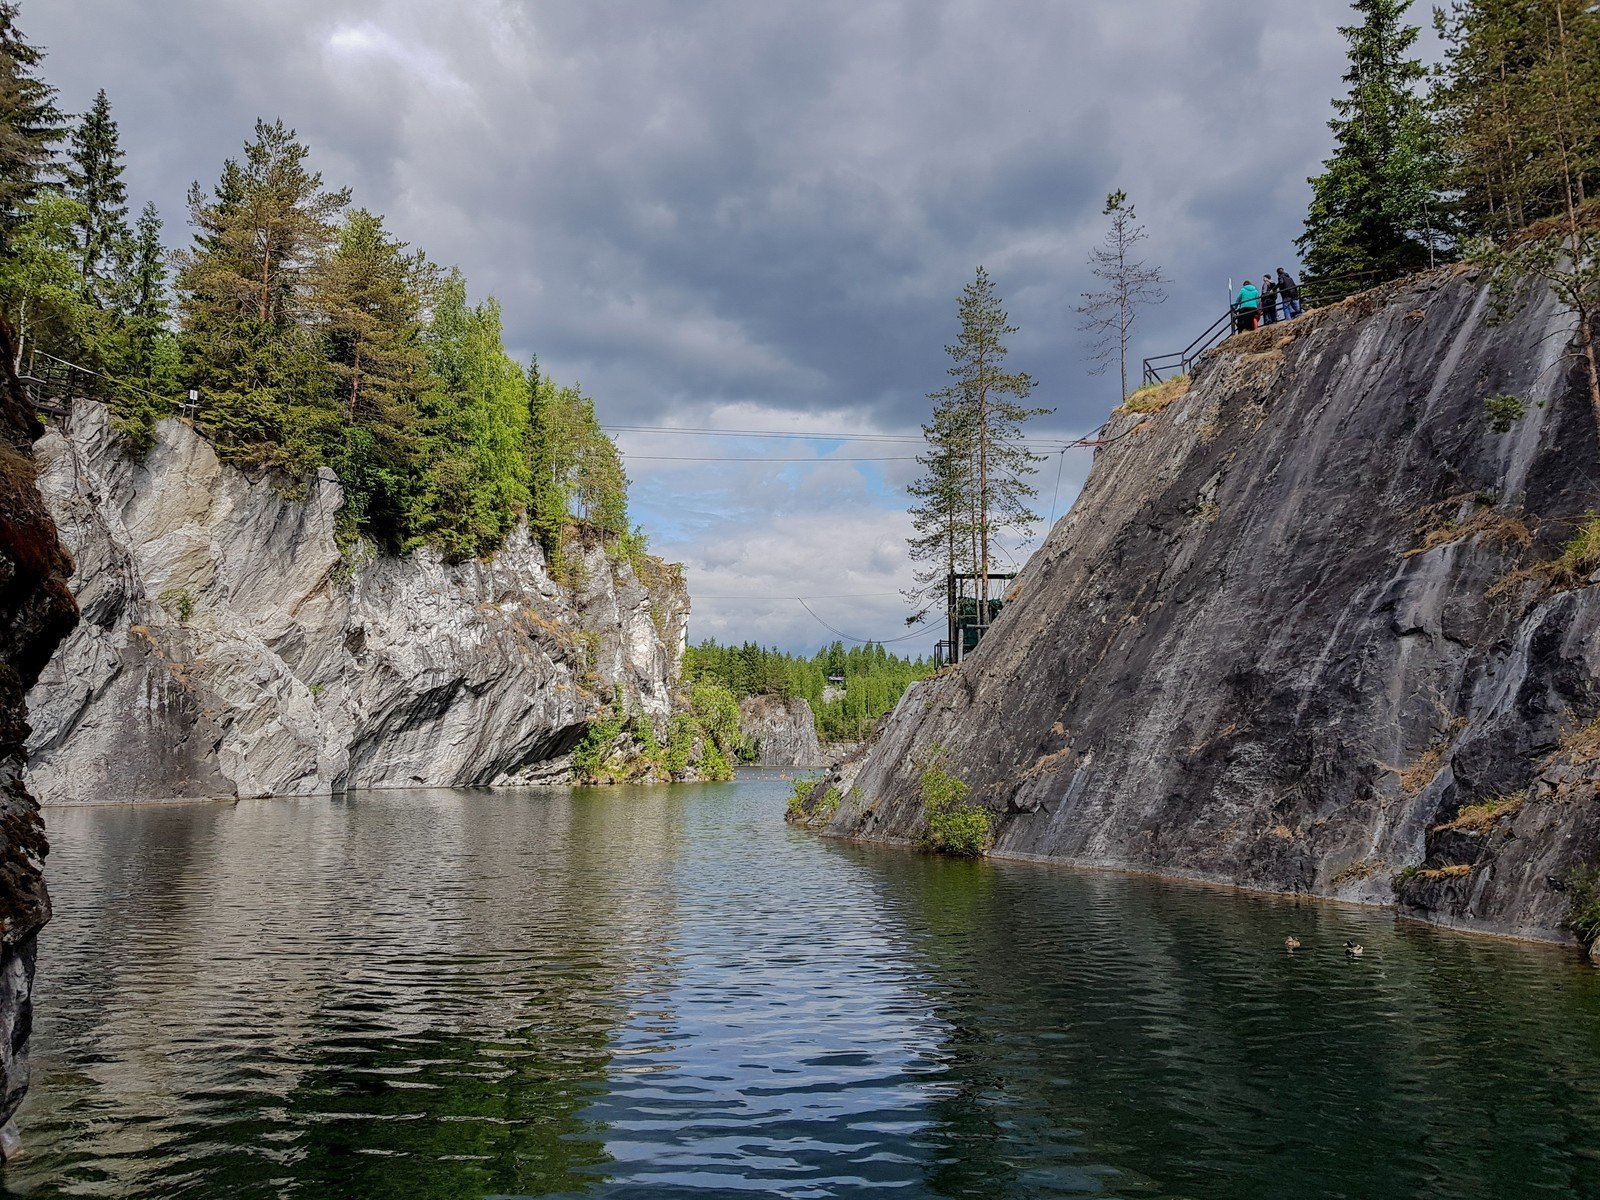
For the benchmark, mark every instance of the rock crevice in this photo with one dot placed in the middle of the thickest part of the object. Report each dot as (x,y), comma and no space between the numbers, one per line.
(231,647)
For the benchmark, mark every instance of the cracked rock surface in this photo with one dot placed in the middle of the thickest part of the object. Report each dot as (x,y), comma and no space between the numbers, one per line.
(1281,638)
(229,648)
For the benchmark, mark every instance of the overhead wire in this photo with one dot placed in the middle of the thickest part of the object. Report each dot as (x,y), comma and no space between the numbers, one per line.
(918,632)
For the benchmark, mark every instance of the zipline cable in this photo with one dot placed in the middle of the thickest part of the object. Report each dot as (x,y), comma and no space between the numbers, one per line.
(863,641)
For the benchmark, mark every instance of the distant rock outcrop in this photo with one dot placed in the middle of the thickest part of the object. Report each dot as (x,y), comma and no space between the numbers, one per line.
(781,731)
(36,612)
(1301,631)
(230,647)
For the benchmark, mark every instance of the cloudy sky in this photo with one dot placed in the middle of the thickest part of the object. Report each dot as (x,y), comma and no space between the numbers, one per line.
(758,214)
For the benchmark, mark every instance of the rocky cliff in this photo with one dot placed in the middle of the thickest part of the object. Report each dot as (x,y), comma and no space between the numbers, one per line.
(782,732)
(229,645)
(36,611)
(1304,630)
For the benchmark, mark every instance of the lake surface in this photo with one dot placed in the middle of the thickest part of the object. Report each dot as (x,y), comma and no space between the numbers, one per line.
(666,992)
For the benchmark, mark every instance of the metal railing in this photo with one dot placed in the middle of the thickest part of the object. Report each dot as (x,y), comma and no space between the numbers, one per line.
(1164,366)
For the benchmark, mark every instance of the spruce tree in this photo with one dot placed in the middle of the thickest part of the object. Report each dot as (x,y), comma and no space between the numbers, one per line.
(137,351)
(94,180)
(1519,98)
(1374,212)
(30,125)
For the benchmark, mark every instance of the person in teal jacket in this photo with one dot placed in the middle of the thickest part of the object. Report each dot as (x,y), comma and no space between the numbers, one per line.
(1246,308)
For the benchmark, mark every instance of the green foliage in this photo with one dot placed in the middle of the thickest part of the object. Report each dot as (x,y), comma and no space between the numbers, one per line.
(312,336)
(681,735)
(1518,107)
(716,716)
(1580,557)
(1374,211)
(39,282)
(1503,412)
(476,426)
(954,826)
(1584,916)
(31,122)
(795,810)
(576,474)
(94,180)
(873,680)
(180,600)
(976,468)
(590,757)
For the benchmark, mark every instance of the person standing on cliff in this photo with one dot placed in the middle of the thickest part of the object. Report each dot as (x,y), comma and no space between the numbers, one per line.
(1246,308)
(1269,301)
(1290,291)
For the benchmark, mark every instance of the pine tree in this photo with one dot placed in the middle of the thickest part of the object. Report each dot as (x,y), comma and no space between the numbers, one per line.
(94,180)
(985,410)
(30,125)
(245,287)
(1374,214)
(941,518)
(1130,284)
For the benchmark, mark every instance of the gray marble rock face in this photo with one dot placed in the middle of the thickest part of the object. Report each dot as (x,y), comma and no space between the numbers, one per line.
(1278,640)
(229,647)
(782,731)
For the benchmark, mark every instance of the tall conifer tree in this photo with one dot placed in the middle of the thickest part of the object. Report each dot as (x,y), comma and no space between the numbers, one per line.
(976,437)
(94,180)
(30,124)
(245,288)
(1374,214)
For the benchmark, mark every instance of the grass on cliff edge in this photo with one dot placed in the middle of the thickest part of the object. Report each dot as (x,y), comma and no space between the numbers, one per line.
(1153,397)
(1580,557)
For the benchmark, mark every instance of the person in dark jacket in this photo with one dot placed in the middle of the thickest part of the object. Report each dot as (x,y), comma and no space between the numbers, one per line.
(1269,301)
(1289,290)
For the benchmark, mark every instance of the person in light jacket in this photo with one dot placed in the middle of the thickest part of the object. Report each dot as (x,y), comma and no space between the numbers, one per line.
(1246,307)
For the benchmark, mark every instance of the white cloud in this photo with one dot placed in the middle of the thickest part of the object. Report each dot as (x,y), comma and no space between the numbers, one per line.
(723,213)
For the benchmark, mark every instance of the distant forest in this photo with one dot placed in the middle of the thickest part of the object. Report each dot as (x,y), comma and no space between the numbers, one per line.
(311,333)
(873,680)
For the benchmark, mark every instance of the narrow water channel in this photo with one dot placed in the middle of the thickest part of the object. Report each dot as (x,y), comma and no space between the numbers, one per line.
(664,992)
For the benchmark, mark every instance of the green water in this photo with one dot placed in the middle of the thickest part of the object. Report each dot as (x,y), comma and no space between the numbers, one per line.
(655,993)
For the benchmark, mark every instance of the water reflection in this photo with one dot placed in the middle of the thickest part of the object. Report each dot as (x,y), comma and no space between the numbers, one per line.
(650,993)
(1115,1036)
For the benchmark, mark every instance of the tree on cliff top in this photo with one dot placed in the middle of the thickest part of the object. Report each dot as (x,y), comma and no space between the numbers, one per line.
(1519,99)
(1130,284)
(245,285)
(30,125)
(976,439)
(94,180)
(1374,213)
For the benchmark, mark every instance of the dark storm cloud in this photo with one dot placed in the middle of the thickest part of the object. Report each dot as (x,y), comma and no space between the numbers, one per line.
(763,212)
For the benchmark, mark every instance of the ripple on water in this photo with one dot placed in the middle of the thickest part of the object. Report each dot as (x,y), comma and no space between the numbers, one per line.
(655,993)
